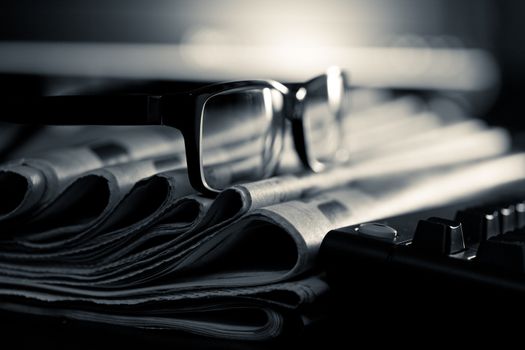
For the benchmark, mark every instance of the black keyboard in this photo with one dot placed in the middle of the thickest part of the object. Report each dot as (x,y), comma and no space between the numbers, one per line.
(436,260)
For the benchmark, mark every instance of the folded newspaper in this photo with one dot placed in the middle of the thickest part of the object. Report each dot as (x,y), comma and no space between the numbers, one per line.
(109,230)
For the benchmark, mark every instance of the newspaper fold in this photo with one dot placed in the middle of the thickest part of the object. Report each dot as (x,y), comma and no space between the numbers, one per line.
(148,252)
(219,268)
(38,179)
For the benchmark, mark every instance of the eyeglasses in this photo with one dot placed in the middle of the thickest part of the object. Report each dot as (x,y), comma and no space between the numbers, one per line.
(231,130)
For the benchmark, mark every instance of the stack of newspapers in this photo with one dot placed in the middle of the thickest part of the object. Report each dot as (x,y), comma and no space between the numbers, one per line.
(100,224)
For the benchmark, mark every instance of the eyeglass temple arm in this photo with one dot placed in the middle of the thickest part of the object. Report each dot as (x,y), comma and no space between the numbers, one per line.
(85,110)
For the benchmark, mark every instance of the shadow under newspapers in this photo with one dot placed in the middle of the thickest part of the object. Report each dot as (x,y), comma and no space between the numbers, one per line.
(127,242)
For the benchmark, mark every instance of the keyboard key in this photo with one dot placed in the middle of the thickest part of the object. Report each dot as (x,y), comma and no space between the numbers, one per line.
(507,218)
(520,214)
(479,223)
(439,236)
(377,230)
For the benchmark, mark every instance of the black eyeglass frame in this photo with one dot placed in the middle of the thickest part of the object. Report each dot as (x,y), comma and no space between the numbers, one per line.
(167,109)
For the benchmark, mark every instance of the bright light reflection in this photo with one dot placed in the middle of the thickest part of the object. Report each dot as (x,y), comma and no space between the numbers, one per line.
(335,86)
(268,103)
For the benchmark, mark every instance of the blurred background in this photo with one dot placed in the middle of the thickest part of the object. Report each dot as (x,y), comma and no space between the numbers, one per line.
(469,50)
(422,72)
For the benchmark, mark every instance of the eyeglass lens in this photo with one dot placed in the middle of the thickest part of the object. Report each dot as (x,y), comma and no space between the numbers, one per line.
(241,135)
(321,117)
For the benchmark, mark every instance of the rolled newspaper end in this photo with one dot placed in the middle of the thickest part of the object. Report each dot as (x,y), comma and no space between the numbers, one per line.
(48,174)
(22,187)
(87,202)
(45,177)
